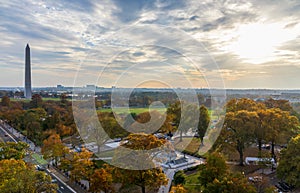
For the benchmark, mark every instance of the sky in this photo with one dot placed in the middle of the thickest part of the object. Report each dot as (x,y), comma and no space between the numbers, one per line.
(152,43)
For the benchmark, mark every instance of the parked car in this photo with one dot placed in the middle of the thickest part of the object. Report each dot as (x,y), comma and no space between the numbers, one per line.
(40,168)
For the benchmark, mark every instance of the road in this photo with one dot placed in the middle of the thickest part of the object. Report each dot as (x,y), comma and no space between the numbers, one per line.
(7,136)
(63,187)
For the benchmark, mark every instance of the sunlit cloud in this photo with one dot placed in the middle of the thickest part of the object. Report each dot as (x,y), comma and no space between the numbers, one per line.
(244,38)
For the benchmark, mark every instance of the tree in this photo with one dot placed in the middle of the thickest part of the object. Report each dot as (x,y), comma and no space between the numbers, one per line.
(179,178)
(16,176)
(174,112)
(238,130)
(63,98)
(215,168)
(178,189)
(284,105)
(150,122)
(53,148)
(102,180)
(36,101)
(215,177)
(11,150)
(184,116)
(81,164)
(203,123)
(233,183)
(280,127)
(151,178)
(289,163)
(5,101)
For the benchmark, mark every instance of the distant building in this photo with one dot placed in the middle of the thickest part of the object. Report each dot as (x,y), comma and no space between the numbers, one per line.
(27,90)
(60,87)
(91,86)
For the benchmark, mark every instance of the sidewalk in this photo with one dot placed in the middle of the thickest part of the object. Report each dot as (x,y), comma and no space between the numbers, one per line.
(67,180)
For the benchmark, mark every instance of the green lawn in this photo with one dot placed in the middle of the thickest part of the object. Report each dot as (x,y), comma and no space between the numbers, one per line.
(44,99)
(39,159)
(191,184)
(122,110)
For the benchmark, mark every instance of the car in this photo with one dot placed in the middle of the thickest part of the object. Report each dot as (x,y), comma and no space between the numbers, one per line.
(54,180)
(40,168)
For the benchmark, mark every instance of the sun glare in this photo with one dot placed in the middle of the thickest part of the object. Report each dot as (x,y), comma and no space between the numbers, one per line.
(257,43)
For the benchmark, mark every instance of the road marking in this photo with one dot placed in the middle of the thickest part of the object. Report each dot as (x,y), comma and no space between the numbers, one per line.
(61,181)
(8,134)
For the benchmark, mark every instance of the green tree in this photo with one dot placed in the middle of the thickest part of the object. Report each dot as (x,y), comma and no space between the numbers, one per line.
(179,178)
(203,123)
(215,177)
(289,163)
(12,150)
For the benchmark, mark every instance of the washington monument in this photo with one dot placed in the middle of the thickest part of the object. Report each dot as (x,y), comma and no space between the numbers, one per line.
(27,91)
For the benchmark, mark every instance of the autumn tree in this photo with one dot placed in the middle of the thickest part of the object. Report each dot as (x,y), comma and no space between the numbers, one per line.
(16,176)
(53,148)
(283,105)
(289,163)
(214,176)
(12,150)
(238,130)
(203,123)
(5,101)
(102,180)
(178,189)
(36,101)
(281,126)
(81,164)
(134,162)
(150,122)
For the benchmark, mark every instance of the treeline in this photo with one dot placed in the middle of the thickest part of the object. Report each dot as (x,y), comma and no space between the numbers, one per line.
(249,122)
(38,119)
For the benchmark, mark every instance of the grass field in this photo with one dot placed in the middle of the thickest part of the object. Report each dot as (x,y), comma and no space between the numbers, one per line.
(191,184)
(44,99)
(39,159)
(122,110)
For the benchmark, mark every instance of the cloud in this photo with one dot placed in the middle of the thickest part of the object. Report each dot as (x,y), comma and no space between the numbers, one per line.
(64,34)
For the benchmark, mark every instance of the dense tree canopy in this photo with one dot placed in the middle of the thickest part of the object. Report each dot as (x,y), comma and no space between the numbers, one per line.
(289,163)
(11,150)
(16,176)
(215,177)
(247,122)
(151,178)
